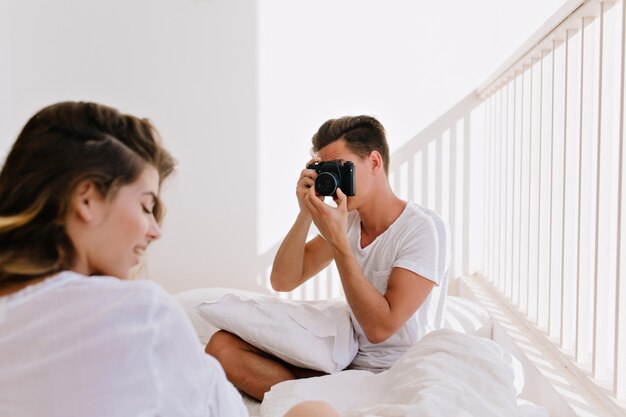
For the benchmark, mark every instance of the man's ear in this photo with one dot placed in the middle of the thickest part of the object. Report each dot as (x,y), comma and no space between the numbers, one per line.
(376,160)
(87,201)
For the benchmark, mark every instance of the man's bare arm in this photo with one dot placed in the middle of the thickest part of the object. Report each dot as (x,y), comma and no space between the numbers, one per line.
(381,315)
(297,260)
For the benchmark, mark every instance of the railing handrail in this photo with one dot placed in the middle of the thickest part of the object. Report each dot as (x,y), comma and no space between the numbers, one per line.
(540,36)
(434,130)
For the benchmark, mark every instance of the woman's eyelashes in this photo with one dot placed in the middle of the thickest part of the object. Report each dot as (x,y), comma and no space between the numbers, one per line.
(147,210)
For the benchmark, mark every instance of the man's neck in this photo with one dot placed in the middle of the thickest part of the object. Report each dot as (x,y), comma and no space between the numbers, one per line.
(379,213)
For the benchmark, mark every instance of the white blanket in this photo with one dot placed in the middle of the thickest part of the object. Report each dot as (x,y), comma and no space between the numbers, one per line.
(446,373)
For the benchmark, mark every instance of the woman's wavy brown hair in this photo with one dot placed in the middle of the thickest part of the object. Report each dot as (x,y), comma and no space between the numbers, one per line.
(58,148)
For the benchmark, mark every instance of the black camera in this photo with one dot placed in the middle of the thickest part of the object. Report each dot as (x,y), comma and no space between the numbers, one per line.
(332,175)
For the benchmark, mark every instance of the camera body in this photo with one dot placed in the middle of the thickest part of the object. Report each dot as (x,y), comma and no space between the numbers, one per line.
(332,175)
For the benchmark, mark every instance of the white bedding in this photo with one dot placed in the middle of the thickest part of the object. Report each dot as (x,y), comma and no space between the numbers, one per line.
(447,374)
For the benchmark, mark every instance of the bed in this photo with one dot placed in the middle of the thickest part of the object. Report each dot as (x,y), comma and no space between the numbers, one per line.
(454,371)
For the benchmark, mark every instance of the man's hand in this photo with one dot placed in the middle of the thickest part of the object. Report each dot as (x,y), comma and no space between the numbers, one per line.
(306,183)
(298,260)
(332,222)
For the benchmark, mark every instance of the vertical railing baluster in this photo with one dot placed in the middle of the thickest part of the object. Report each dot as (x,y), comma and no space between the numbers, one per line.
(452,206)
(397,180)
(530,170)
(468,178)
(411,180)
(550,188)
(505,189)
(494,191)
(577,353)
(520,190)
(619,371)
(498,190)
(482,213)
(489,188)
(565,83)
(512,165)
(438,173)
(594,345)
(537,320)
(425,178)
(485,211)
(510,174)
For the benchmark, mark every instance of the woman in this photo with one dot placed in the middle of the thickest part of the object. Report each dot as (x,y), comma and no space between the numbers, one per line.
(79,205)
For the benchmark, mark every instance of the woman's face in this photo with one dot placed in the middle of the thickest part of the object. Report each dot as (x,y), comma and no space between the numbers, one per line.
(124,228)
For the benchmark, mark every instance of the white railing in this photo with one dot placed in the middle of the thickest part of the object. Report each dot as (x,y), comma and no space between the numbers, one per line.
(554,123)
(527,172)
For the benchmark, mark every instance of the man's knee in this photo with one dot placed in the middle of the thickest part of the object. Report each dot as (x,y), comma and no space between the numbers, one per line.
(221,344)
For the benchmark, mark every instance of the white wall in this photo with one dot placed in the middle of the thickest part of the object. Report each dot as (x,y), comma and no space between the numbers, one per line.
(188,65)
(237,88)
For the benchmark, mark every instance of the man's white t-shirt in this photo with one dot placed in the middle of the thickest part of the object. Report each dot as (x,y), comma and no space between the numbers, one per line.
(99,346)
(416,241)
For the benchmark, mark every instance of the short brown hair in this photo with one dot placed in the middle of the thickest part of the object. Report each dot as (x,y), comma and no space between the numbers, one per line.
(363,134)
(59,147)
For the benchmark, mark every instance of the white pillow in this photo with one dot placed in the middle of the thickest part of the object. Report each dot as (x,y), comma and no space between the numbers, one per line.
(309,334)
(190,300)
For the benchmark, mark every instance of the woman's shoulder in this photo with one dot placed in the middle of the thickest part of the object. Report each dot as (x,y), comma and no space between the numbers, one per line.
(108,283)
(104,287)
(77,294)
(139,296)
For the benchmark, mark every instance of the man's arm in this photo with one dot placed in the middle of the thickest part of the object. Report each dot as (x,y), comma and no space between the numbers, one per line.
(379,315)
(297,261)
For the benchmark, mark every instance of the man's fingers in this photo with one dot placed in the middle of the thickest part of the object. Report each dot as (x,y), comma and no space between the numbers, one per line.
(316,202)
(341,199)
(308,173)
(313,160)
(307,182)
(307,200)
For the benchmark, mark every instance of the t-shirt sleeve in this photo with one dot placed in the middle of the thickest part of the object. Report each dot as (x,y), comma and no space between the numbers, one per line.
(191,382)
(422,249)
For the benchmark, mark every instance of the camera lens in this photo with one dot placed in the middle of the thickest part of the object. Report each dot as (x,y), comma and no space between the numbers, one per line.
(326,183)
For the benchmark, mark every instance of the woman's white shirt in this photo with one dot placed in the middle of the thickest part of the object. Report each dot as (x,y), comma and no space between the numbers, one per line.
(98,346)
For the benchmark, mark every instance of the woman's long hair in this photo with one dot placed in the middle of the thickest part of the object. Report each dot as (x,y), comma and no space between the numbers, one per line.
(58,148)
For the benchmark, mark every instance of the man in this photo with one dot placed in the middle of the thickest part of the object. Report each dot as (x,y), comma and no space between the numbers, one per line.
(390,255)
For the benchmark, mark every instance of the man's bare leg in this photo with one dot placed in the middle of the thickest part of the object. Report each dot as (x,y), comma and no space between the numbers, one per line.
(250,369)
